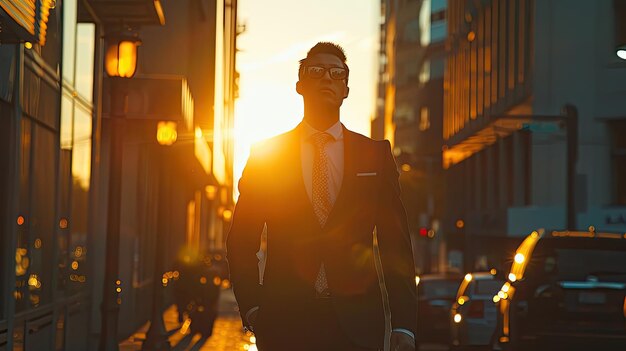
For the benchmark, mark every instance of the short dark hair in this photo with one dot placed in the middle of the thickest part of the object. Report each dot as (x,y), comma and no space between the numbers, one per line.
(324,47)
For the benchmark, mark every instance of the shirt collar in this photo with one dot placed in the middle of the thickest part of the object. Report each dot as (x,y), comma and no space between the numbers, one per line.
(336,131)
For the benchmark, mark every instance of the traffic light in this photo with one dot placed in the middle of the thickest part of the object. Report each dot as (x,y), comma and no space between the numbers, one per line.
(427,232)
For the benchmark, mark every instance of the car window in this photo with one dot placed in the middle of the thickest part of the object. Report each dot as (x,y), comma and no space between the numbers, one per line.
(439,289)
(579,263)
(487,287)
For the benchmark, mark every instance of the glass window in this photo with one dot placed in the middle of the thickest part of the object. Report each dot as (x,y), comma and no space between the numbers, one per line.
(69,39)
(425,72)
(85,46)
(81,176)
(424,19)
(438,31)
(437,68)
(65,159)
(487,287)
(438,289)
(578,259)
(67,116)
(439,5)
(22,256)
(424,119)
(42,225)
(404,113)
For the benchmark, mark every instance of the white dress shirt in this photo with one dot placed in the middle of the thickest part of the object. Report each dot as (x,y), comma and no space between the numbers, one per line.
(334,150)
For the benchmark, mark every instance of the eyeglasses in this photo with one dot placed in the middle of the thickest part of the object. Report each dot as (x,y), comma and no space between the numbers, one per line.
(317,72)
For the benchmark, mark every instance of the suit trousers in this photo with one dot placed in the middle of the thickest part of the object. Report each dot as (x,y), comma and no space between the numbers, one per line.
(319,331)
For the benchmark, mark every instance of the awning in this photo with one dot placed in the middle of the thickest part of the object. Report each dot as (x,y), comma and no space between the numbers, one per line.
(24,20)
(481,138)
(129,12)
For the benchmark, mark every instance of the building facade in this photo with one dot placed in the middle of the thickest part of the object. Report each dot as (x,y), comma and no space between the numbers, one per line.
(512,68)
(58,104)
(409,114)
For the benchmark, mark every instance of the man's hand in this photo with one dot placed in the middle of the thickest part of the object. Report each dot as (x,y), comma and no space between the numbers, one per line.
(402,342)
(251,317)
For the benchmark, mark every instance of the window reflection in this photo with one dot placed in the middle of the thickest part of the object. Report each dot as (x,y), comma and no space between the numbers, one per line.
(42,223)
(69,39)
(75,143)
(81,155)
(67,114)
(22,259)
(85,45)
(81,175)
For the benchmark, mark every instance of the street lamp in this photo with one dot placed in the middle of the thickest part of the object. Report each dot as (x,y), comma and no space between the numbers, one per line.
(166,133)
(120,64)
(121,56)
(621,52)
(156,337)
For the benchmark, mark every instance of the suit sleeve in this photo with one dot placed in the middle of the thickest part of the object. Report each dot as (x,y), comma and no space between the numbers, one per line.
(395,249)
(243,239)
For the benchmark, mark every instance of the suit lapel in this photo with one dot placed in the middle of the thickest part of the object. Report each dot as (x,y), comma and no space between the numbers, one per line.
(294,181)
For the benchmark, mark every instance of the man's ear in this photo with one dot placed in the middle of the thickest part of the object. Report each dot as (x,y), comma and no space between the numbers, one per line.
(299,87)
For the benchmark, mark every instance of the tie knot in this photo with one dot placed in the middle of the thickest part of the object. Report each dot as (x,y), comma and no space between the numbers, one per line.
(319,140)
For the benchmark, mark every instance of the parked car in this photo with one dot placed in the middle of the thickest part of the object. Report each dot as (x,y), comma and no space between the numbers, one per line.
(565,291)
(435,294)
(473,314)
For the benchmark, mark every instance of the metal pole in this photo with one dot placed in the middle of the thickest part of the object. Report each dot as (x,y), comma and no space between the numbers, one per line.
(110,306)
(156,337)
(571,122)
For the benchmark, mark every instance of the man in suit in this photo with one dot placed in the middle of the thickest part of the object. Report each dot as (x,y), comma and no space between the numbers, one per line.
(321,192)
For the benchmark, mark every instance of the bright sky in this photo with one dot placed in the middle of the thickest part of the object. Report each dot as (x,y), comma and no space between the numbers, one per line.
(278,34)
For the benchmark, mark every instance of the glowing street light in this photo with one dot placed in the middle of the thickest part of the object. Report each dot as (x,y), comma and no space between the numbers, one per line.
(621,52)
(121,57)
(166,133)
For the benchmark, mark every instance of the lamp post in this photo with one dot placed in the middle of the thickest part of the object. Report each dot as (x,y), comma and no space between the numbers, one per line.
(120,64)
(156,337)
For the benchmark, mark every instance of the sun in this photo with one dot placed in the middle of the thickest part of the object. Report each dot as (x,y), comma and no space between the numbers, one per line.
(264,109)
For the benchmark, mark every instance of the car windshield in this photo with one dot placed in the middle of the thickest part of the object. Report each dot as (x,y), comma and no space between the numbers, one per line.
(604,262)
(439,289)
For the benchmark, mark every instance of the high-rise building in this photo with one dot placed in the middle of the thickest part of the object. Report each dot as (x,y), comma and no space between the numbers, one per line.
(410,107)
(513,67)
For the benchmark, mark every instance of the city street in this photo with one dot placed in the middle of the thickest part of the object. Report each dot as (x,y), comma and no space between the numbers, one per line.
(453,170)
(227,332)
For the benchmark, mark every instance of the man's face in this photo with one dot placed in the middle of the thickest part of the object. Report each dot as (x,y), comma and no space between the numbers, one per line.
(323,90)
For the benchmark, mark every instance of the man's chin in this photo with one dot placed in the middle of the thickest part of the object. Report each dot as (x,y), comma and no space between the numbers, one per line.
(328,102)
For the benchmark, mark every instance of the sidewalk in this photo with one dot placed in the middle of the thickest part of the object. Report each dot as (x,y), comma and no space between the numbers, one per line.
(227,332)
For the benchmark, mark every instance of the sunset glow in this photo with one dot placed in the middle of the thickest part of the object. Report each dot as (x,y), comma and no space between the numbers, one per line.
(278,34)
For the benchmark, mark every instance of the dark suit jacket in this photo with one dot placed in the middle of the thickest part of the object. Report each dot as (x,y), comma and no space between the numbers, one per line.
(272,192)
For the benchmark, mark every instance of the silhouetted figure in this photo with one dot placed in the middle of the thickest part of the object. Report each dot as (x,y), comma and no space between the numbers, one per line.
(197,291)
(320,190)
